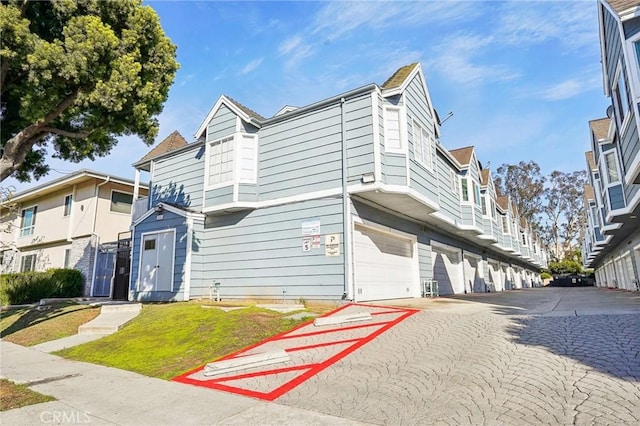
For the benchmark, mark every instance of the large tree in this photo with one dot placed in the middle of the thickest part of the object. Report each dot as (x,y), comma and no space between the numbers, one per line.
(75,75)
(525,185)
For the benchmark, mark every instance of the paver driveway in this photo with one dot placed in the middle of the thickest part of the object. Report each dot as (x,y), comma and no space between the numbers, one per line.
(538,356)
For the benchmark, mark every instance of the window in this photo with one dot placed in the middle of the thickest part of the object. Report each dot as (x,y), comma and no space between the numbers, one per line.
(68,200)
(493,209)
(67,258)
(484,204)
(505,224)
(421,145)
(476,193)
(3,256)
(228,154)
(465,190)
(28,263)
(524,239)
(454,181)
(150,244)
(28,221)
(612,167)
(121,202)
(221,161)
(392,129)
(620,96)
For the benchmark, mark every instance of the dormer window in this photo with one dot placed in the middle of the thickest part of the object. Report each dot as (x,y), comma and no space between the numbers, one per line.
(620,96)
(421,145)
(230,159)
(464,189)
(393,134)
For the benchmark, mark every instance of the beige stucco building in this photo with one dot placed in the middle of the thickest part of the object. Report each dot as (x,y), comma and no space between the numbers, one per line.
(62,223)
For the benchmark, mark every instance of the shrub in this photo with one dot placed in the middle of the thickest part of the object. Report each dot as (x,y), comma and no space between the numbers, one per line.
(545,276)
(30,287)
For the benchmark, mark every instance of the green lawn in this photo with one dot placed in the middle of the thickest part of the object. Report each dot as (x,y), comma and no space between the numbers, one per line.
(16,396)
(168,339)
(30,326)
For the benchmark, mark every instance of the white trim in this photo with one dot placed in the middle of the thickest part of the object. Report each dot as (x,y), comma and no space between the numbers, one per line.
(402,124)
(168,208)
(377,155)
(173,257)
(187,260)
(33,226)
(628,209)
(222,100)
(350,281)
(634,168)
(207,153)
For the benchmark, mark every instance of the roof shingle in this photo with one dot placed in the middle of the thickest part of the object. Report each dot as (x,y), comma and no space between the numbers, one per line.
(590,160)
(170,143)
(600,127)
(462,155)
(622,5)
(399,77)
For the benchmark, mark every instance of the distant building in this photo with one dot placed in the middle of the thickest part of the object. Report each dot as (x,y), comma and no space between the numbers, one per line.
(612,198)
(64,222)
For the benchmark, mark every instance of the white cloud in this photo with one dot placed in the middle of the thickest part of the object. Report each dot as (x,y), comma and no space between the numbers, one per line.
(296,49)
(566,89)
(251,66)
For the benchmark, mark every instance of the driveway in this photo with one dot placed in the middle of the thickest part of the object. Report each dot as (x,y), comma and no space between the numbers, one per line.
(537,356)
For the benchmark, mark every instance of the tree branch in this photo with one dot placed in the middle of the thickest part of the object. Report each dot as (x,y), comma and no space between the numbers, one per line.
(17,148)
(65,133)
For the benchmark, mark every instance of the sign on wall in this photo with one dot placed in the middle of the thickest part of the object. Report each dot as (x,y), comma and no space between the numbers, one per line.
(332,245)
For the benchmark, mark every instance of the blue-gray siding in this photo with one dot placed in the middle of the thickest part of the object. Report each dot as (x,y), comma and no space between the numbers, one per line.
(151,224)
(222,195)
(448,196)
(222,124)
(259,253)
(616,197)
(179,179)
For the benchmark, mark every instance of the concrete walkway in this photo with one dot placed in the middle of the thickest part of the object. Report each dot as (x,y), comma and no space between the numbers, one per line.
(112,317)
(94,394)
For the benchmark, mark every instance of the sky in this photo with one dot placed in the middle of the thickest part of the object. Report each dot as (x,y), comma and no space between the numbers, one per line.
(522,78)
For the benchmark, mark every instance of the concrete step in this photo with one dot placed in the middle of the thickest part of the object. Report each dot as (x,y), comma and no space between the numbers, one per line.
(121,307)
(107,322)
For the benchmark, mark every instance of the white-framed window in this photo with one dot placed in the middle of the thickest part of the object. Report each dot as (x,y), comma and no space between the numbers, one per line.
(230,159)
(121,202)
(68,201)
(476,192)
(483,202)
(453,176)
(524,239)
(28,263)
(493,209)
(28,221)
(422,145)
(464,189)
(393,133)
(67,258)
(620,97)
(505,224)
(611,163)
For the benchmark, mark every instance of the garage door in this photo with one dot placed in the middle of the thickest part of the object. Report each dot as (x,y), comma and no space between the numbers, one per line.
(473,275)
(517,278)
(385,266)
(495,276)
(447,270)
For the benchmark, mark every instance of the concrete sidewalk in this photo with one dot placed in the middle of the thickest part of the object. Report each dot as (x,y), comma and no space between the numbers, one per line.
(94,394)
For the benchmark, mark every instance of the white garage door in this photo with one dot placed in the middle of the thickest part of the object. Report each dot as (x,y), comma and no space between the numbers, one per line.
(495,276)
(473,275)
(447,270)
(385,266)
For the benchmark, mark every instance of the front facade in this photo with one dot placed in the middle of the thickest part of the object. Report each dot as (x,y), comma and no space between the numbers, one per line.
(612,199)
(63,224)
(351,198)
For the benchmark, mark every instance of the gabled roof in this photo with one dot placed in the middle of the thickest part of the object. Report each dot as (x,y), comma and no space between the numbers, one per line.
(251,113)
(588,192)
(242,111)
(462,155)
(170,143)
(591,162)
(399,77)
(620,6)
(600,128)
(67,181)
(503,202)
(485,174)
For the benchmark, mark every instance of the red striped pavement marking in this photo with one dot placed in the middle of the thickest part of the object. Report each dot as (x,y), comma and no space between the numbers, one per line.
(307,360)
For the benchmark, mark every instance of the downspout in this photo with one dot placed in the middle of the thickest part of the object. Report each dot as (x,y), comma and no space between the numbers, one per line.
(93,232)
(346,220)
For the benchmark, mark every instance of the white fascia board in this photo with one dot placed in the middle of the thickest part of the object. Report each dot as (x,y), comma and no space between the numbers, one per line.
(222,100)
(634,170)
(603,59)
(448,155)
(171,209)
